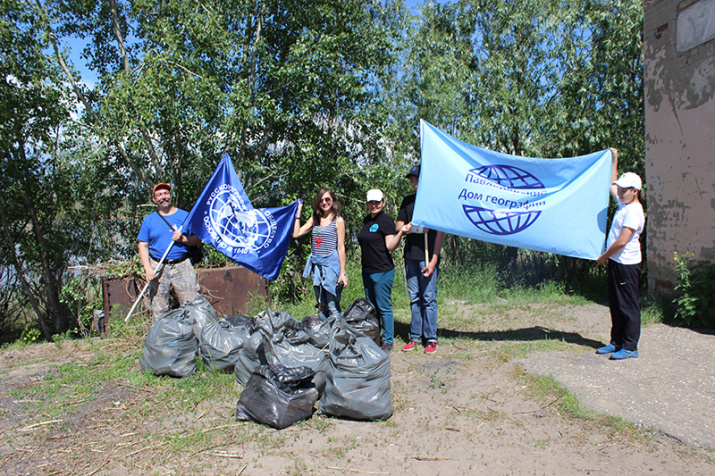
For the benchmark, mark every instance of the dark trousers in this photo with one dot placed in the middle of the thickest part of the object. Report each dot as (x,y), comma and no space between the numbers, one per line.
(624,302)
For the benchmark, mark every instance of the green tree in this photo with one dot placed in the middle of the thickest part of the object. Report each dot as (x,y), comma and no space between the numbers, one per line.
(527,77)
(286,90)
(600,82)
(60,196)
(33,105)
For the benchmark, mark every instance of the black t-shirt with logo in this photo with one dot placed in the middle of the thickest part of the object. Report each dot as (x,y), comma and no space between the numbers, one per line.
(414,242)
(375,257)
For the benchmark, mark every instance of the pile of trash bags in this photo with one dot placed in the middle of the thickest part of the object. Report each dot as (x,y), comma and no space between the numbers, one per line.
(285,365)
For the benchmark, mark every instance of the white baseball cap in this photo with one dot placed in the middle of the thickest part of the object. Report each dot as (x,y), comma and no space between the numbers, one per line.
(629,180)
(374,195)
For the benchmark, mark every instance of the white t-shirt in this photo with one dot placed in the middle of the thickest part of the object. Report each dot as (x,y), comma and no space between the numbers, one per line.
(629,216)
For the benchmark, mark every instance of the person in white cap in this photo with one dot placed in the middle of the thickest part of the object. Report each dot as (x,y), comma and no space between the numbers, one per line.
(624,259)
(377,241)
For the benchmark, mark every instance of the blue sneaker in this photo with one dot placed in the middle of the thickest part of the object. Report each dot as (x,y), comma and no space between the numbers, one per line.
(608,349)
(624,354)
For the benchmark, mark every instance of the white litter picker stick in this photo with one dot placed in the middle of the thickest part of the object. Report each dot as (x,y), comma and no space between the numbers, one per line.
(156,271)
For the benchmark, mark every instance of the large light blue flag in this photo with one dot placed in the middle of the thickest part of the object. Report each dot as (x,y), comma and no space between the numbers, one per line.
(553,205)
(223,216)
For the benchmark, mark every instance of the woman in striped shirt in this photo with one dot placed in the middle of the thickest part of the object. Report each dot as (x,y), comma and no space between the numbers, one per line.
(326,263)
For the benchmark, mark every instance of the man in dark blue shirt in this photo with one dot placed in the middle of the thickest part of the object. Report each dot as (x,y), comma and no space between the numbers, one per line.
(421,270)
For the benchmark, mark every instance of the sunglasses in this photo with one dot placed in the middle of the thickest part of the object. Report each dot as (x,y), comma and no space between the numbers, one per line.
(326,200)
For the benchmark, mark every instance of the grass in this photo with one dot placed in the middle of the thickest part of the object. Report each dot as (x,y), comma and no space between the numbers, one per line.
(508,351)
(546,389)
(477,284)
(652,312)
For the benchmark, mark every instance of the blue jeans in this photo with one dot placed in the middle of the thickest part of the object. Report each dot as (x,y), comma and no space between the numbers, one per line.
(423,301)
(329,303)
(378,290)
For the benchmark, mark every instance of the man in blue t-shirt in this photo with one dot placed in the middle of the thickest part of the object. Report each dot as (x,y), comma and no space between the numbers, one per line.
(158,230)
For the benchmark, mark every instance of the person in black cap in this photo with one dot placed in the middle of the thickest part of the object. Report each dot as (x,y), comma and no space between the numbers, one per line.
(421,270)
(156,234)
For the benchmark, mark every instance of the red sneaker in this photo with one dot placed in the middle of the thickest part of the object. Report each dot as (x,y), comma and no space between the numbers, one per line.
(409,346)
(431,348)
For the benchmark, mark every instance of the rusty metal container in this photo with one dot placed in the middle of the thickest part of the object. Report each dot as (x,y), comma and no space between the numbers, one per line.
(231,290)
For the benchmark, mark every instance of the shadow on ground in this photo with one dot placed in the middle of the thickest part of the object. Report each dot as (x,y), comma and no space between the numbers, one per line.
(516,335)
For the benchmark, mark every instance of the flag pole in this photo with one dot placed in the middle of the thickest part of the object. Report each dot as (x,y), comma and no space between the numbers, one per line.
(146,286)
(426,250)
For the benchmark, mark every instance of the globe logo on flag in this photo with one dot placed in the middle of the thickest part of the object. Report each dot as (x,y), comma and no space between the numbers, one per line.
(500,223)
(509,177)
(504,222)
(246,230)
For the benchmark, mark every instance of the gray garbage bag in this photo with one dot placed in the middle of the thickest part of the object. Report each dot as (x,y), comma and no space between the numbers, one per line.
(239,320)
(250,357)
(253,353)
(278,396)
(202,312)
(317,330)
(170,345)
(361,315)
(221,341)
(289,345)
(272,321)
(357,376)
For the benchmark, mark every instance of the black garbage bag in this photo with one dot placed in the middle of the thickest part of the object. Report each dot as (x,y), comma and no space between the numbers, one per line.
(319,335)
(202,312)
(357,376)
(250,356)
(170,345)
(278,396)
(221,342)
(362,316)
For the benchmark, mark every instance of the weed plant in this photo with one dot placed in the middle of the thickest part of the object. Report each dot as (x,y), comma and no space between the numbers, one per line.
(695,303)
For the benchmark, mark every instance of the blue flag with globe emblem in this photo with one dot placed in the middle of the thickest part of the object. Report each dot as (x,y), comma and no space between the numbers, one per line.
(256,238)
(552,205)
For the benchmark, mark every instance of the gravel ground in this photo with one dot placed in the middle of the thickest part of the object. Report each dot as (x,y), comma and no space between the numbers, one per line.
(670,387)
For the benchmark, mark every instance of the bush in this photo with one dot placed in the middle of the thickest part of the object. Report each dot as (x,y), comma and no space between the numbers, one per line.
(81,295)
(695,304)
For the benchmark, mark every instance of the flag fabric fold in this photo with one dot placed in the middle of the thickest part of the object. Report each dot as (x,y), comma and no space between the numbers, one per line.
(552,205)
(223,216)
